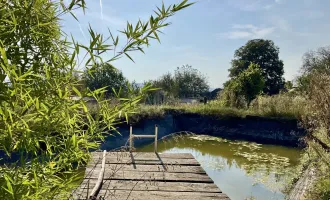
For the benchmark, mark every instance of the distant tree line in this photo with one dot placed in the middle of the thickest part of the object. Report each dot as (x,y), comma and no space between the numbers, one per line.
(185,82)
(256,69)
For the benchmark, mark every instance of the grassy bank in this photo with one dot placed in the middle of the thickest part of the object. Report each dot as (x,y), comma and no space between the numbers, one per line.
(150,111)
(274,107)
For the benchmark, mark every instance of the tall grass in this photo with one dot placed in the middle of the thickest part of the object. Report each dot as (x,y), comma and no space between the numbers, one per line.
(284,105)
(278,106)
(209,109)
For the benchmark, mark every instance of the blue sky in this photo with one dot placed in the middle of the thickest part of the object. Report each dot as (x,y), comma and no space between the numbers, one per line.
(206,34)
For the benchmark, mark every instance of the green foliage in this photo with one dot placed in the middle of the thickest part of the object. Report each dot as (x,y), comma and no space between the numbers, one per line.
(45,134)
(185,82)
(288,85)
(316,87)
(244,87)
(284,105)
(281,106)
(213,109)
(191,83)
(317,119)
(302,83)
(266,55)
(321,189)
(109,77)
(317,61)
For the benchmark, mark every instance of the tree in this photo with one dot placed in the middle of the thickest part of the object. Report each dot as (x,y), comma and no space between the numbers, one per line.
(243,88)
(185,82)
(109,77)
(190,81)
(314,62)
(266,55)
(168,84)
(45,134)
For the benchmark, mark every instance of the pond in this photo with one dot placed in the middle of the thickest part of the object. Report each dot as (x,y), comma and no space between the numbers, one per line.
(242,170)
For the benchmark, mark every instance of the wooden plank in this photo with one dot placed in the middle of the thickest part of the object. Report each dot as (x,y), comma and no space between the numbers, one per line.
(151,168)
(141,175)
(148,161)
(152,176)
(145,155)
(157,195)
(152,186)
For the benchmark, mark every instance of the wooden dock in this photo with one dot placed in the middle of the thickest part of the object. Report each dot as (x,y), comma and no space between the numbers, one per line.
(142,176)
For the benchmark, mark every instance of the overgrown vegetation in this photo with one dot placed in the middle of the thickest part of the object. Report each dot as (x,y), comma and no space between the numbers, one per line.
(241,90)
(269,107)
(45,134)
(184,83)
(317,119)
(285,105)
(110,77)
(265,54)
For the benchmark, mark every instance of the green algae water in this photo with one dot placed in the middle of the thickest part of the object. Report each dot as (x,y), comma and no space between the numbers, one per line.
(242,170)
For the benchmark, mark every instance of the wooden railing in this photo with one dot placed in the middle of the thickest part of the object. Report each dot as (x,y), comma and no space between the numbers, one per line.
(132,136)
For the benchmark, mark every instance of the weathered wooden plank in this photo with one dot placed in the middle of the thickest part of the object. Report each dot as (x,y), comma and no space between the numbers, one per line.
(152,186)
(158,195)
(149,176)
(145,155)
(144,158)
(148,161)
(151,168)
(152,176)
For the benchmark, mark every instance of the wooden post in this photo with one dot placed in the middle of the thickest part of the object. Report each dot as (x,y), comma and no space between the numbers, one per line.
(130,139)
(156,136)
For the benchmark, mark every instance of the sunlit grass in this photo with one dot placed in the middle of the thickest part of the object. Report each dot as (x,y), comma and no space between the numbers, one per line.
(271,107)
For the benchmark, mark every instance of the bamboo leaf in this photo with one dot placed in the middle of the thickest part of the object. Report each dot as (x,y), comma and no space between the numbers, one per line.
(37,104)
(129,57)
(76,91)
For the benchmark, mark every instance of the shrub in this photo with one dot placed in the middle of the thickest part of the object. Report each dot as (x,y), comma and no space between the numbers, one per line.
(241,90)
(317,119)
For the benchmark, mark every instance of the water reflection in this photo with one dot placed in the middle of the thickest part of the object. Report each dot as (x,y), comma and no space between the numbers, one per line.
(241,169)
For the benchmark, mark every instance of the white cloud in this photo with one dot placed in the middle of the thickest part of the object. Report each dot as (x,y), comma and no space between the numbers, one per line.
(248,31)
(279,1)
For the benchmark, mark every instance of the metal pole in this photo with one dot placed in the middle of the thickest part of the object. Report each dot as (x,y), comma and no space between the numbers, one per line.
(156,136)
(130,139)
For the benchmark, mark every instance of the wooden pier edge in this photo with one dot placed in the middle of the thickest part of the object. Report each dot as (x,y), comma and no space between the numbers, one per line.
(141,175)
